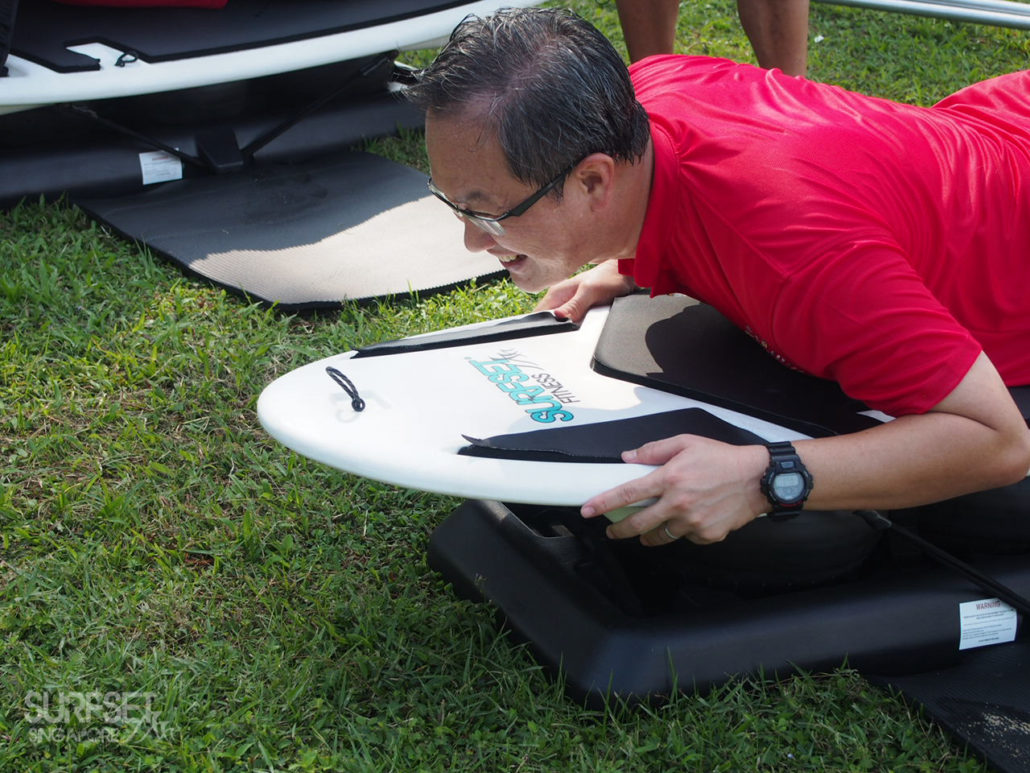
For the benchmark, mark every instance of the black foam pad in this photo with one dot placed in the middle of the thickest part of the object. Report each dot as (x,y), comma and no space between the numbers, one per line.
(677,345)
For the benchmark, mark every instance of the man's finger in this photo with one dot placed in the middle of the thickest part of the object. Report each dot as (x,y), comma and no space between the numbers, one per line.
(634,492)
(645,521)
(657,452)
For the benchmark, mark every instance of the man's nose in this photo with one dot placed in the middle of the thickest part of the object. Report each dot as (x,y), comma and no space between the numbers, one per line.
(476,239)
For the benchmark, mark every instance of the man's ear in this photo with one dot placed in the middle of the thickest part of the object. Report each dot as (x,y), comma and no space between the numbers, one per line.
(594,177)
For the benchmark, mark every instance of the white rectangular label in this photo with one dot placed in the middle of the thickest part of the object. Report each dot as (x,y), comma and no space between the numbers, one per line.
(158,167)
(988,621)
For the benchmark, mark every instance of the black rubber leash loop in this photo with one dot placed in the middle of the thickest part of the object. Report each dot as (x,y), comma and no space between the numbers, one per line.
(127,57)
(348,386)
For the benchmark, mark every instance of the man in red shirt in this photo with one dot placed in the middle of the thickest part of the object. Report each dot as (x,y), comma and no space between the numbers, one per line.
(882,245)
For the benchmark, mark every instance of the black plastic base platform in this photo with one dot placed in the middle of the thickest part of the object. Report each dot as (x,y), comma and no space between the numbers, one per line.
(614,622)
(94,150)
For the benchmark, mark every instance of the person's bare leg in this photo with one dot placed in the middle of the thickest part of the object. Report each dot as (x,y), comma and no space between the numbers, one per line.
(778,31)
(649,26)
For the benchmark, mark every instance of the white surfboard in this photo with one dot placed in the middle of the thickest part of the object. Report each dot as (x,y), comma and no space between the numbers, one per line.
(419,406)
(122,74)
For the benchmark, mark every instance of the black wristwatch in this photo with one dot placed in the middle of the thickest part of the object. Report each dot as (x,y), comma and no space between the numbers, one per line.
(786,483)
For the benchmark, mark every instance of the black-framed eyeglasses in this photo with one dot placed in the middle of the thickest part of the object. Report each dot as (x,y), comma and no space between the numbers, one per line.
(492,223)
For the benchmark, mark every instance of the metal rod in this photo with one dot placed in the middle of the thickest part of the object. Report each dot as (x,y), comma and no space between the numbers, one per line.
(1001,6)
(999,13)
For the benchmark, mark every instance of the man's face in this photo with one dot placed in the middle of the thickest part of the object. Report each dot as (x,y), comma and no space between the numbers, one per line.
(539,247)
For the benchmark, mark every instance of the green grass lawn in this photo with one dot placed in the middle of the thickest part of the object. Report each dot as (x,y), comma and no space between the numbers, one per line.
(178,591)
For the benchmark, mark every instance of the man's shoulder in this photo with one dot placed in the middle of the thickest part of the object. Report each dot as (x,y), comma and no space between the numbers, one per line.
(682,63)
(667,73)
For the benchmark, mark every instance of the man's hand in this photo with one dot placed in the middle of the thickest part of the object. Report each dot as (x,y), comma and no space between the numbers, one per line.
(572,298)
(705,489)
(974,439)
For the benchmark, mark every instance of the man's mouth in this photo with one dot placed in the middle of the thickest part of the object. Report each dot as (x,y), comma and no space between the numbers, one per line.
(508,260)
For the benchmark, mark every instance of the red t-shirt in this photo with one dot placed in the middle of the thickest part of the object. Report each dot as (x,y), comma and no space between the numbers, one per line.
(877,244)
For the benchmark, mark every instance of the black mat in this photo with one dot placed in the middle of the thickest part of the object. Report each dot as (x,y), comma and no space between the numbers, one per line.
(44,29)
(983,702)
(346,226)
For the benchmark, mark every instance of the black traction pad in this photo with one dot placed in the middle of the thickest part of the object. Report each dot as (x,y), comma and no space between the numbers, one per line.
(692,350)
(539,323)
(306,235)
(603,442)
(675,344)
(44,29)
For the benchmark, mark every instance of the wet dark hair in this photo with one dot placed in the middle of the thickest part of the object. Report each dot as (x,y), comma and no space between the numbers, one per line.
(546,81)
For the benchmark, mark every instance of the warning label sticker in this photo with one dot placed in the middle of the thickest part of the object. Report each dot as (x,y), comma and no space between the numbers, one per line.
(989,621)
(157,166)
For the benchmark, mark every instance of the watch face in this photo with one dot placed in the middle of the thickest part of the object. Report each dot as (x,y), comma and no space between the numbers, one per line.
(788,486)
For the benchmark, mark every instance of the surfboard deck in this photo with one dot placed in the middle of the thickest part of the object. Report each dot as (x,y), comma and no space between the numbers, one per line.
(420,407)
(61,54)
